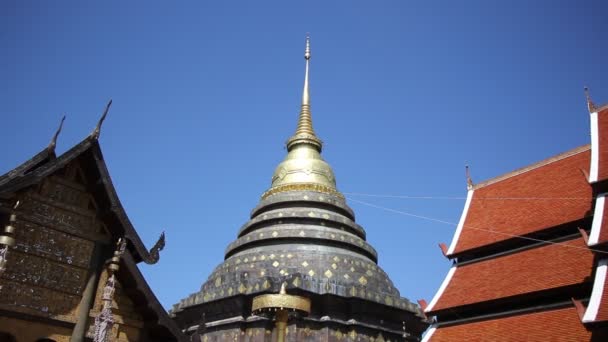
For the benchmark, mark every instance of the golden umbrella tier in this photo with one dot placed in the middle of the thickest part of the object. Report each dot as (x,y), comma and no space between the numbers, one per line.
(281,301)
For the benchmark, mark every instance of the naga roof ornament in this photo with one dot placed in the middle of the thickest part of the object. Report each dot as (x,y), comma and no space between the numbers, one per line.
(470,183)
(97,131)
(53,142)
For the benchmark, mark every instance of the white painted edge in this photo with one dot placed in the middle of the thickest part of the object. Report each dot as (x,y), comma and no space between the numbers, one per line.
(463,218)
(598,217)
(595,148)
(445,283)
(429,333)
(598,290)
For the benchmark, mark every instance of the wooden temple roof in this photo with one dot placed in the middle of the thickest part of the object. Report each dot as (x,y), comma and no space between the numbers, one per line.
(88,152)
(45,163)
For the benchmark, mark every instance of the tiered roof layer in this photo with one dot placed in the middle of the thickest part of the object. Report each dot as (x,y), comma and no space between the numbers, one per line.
(562,324)
(547,194)
(532,270)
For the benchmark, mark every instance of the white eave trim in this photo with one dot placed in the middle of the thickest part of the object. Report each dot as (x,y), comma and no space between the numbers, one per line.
(439,293)
(429,334)
(463,218)
(595,148)
(598,290)
(598,217)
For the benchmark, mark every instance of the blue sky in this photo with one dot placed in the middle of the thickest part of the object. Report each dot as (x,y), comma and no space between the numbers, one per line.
(404,94)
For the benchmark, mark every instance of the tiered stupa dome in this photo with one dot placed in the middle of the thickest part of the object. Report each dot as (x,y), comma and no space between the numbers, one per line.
(303,233)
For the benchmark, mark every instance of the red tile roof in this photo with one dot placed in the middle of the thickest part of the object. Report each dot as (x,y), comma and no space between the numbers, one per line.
(531,270)
(510,205)
(554,325)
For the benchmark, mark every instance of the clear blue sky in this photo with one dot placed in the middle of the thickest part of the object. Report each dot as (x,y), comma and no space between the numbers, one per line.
(205,93)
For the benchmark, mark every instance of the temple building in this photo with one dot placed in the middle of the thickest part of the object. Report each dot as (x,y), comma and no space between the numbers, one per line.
(530,252)
(300,269)
(69,254)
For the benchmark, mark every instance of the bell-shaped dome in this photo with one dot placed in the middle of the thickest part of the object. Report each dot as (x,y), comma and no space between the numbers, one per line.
(303,169)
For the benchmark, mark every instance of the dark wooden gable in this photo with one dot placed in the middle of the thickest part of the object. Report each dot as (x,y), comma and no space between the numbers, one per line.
(67,223)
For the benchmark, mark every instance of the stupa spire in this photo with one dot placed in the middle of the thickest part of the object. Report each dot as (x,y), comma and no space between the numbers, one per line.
(305,133)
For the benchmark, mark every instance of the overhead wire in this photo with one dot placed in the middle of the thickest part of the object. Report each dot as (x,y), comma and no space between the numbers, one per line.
(463,198)
(401,212)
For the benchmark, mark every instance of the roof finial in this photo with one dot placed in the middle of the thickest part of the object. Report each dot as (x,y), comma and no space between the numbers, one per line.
(590,104)
(305,93)
(469,180)
(305,133)
(97,131)
(53,142)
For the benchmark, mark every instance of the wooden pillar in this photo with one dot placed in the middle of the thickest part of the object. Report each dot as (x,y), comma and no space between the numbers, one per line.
(88,296)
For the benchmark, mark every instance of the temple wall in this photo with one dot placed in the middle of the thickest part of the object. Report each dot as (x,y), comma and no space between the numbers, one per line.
(299,332)
(28,331)
(48,268)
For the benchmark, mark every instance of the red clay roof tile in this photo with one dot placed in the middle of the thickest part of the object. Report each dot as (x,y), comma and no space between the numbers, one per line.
(561,325)
(531,270)
(536,198)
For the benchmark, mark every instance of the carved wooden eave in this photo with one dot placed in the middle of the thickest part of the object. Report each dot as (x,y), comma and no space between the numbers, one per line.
(161,325)
(45,163)
(26,167)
